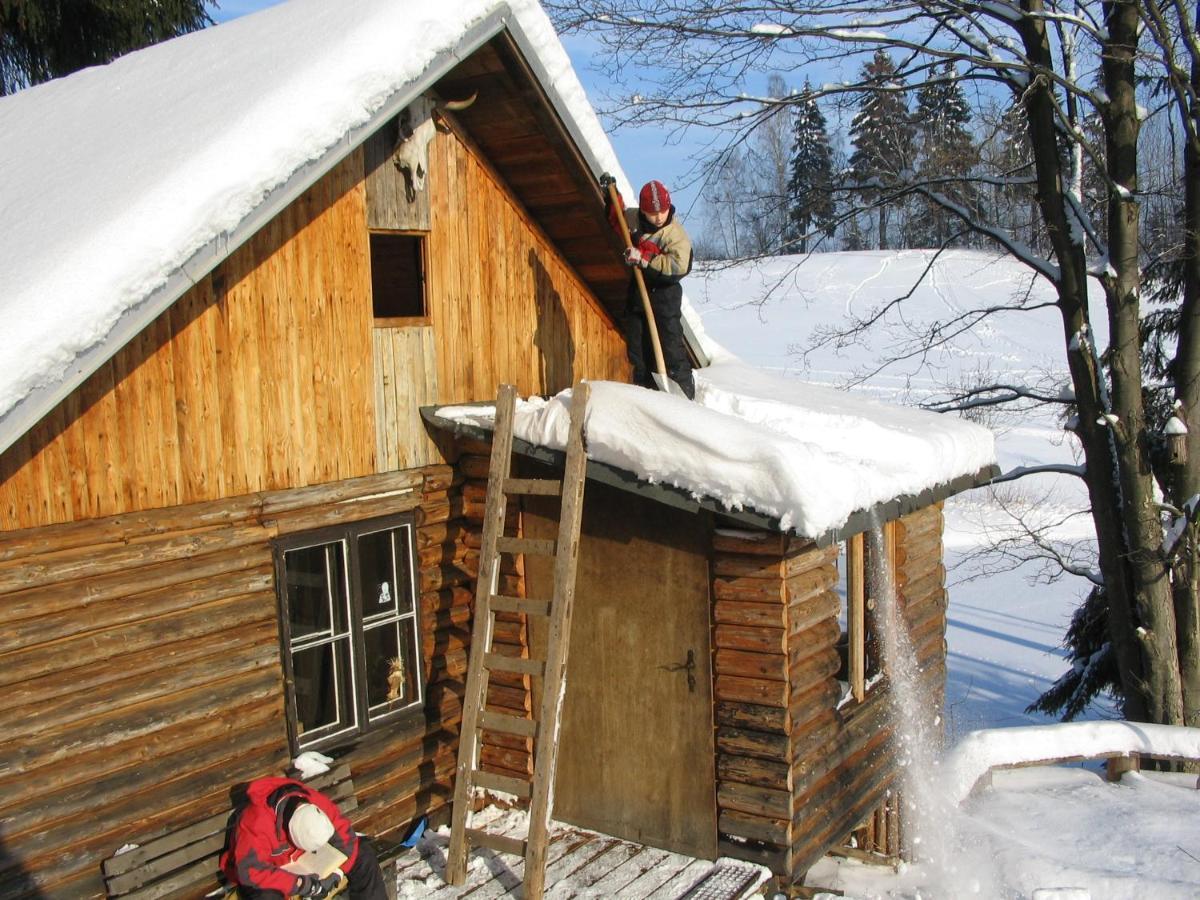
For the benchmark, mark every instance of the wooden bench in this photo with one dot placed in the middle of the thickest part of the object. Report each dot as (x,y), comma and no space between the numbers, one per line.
(188,857)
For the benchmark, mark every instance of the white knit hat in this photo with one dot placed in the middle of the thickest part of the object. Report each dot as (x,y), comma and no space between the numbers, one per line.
(310,828)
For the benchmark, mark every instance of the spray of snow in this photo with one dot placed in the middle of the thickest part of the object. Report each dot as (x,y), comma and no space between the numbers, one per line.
(930,816)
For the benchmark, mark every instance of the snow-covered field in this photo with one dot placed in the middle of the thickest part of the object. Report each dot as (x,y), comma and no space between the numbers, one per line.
(1047,833)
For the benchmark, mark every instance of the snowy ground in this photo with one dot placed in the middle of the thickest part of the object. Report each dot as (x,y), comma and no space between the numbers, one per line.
(1039,833)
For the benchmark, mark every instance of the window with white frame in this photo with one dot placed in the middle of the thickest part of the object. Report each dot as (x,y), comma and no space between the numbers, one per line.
(350,634)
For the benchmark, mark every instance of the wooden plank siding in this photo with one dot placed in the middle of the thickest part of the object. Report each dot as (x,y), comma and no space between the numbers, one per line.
(504,306)
(796,772)
(258,378)
(264,375)
(141,678)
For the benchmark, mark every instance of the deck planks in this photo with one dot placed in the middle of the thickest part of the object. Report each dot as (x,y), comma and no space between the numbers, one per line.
(579,863)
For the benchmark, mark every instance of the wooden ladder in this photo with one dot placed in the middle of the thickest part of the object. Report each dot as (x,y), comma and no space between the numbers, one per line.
(545,728)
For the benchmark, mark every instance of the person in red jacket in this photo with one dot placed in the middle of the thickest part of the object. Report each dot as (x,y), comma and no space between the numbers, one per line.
(280,820)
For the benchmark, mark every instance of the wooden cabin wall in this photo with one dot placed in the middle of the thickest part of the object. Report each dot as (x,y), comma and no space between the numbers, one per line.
(504,306)
(263,375)
(141,675)
(796,773)
(258,378)
(843,779)
(774,633)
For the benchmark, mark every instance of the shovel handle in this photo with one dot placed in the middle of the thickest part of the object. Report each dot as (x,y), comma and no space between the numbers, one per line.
(615,199)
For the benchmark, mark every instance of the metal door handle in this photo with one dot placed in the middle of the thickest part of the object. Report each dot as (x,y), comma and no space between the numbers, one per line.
(689,666)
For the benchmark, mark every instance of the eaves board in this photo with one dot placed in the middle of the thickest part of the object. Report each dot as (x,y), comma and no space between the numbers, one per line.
(678,498)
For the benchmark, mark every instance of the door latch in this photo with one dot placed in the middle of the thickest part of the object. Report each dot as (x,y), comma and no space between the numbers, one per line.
(689,667)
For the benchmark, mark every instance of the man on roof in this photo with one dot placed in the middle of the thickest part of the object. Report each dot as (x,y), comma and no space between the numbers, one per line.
(662,250)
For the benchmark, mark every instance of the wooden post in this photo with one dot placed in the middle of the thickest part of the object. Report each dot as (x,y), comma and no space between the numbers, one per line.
(856,619)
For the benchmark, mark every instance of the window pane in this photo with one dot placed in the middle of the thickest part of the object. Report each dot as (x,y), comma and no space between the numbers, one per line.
(316,590)
(377,574)
(391,666)
(324,690)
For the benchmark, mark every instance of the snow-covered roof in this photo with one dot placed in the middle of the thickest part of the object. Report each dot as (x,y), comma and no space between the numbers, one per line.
(806,456)
(122,185)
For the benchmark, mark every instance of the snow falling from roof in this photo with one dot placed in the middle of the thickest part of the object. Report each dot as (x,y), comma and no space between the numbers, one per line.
(807,454)
(111,178)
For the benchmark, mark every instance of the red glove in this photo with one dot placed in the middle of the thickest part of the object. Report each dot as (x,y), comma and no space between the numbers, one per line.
(648,249)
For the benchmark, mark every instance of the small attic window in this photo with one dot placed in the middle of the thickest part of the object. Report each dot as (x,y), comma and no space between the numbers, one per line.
(397,277)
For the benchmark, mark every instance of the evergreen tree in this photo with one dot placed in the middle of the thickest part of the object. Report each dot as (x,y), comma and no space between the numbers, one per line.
(44,39)
(810,186)
(883,137)
(948,151)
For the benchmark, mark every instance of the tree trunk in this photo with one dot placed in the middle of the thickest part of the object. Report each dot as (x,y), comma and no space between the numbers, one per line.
(1102,478)
(1186,371)
(883,225)
(1150,573)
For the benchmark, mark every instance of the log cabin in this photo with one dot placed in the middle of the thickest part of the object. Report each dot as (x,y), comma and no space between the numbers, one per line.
(228,535)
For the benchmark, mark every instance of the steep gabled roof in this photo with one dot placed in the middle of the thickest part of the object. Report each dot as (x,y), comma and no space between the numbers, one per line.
(122,185)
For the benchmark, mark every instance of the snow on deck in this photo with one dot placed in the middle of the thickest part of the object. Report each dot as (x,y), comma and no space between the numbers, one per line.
(806,454)
(579,863)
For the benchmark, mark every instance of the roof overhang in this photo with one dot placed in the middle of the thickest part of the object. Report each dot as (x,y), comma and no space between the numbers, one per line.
(624,480)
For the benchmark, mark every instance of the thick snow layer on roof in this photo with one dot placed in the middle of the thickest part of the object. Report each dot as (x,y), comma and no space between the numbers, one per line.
(981,750)
(807,454)
(111,178)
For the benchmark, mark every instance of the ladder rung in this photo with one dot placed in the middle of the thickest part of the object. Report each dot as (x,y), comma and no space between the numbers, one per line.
(501,603)
(525,545)
(543,487)
(494,721)
(498,662)
(514,786)
(496,842)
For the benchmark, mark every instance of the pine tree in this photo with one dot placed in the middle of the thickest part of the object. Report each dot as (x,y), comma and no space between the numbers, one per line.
(883,137)
(810,186)
(44,39)
(948,151)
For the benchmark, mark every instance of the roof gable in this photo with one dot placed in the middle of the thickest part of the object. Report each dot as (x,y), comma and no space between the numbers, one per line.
(126,183)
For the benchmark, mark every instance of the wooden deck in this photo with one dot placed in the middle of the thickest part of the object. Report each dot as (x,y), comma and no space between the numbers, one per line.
(579,864)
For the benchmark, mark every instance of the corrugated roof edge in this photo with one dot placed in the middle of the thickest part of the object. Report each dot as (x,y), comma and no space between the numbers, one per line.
(670,495)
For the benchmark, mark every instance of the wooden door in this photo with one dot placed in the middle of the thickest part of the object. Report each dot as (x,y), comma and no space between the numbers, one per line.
(636,752)
(405,380)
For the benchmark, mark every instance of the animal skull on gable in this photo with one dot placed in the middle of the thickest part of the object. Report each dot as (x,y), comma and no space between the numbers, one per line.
(417,127)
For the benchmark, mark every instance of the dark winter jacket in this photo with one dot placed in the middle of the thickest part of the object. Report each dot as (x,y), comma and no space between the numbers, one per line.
(259,846)
(675,259)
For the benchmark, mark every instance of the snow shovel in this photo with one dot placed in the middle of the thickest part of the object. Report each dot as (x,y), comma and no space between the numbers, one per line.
(660,377)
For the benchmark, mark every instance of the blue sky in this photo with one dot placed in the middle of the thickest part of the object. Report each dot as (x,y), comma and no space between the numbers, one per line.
(645,153)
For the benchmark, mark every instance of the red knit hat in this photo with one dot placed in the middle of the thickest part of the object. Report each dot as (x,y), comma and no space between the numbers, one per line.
(654,198)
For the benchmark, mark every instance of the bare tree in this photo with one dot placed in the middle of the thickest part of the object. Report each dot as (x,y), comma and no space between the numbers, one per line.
(1058,62)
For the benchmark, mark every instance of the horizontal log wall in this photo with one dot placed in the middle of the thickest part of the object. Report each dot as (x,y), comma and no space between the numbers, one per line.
(140,671)
(796,772)
(844,772)
(258,378)
(772,632)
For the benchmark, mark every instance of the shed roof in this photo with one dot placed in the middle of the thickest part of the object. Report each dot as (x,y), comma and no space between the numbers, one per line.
(124,184)
(764,450)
